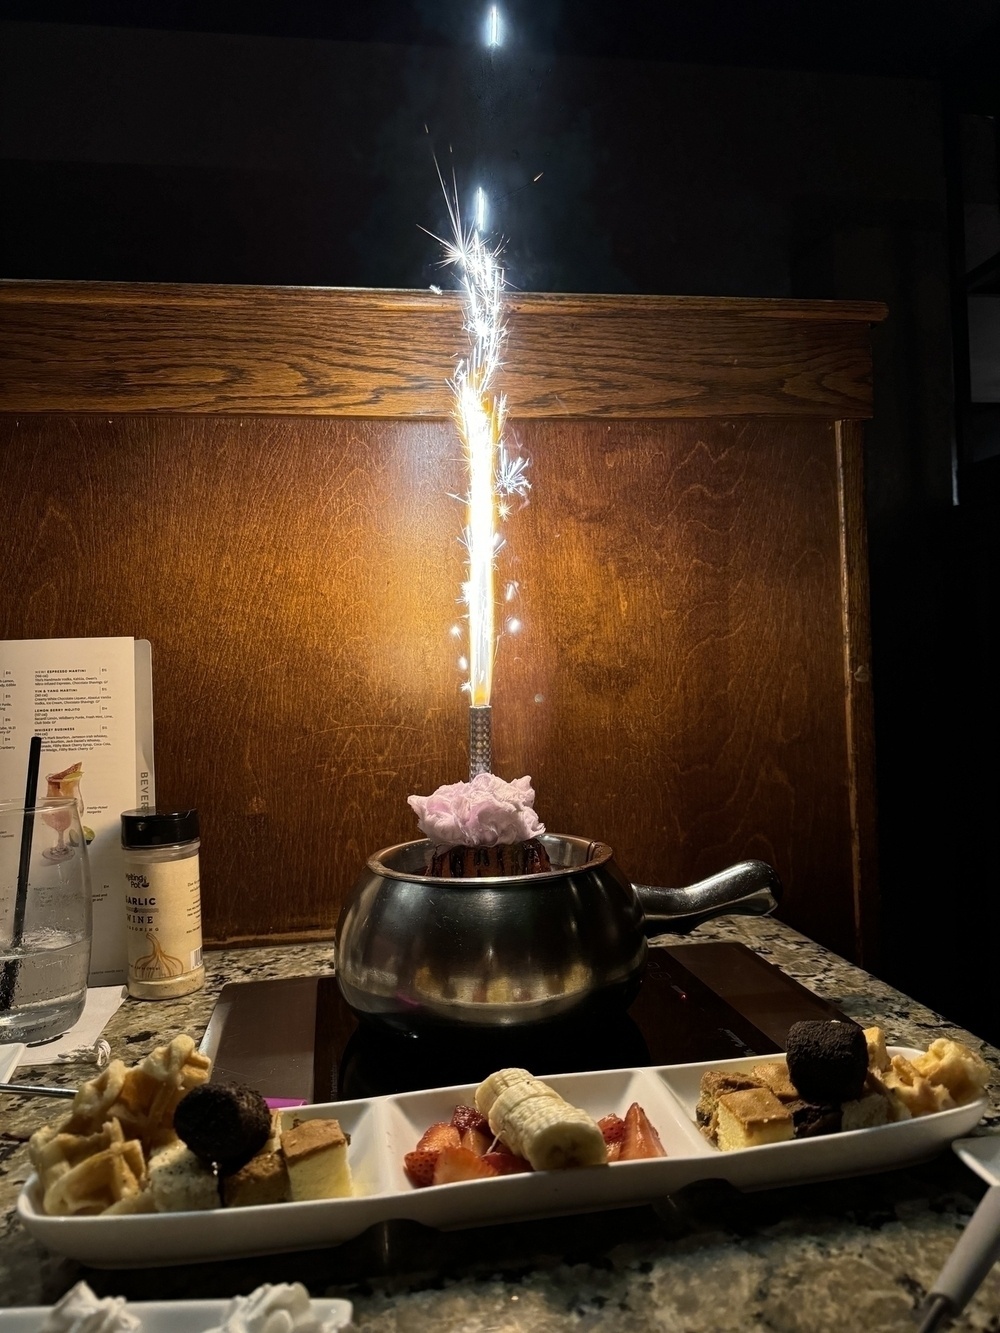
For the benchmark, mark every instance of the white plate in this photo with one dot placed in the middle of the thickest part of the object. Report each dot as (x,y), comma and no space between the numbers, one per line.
(10,1057)
(170,1316)
(981,1155)
(382,1129)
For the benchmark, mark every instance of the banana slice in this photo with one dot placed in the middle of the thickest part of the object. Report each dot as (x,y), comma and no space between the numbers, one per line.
(490,1089)
(538,1124)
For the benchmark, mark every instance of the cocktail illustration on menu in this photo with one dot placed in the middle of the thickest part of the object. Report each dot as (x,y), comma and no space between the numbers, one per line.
(66,785)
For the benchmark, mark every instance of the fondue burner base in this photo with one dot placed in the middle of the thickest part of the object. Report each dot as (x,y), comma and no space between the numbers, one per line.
(295,1039)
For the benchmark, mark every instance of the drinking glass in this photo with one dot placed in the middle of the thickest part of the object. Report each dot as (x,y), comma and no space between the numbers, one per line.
(45,919)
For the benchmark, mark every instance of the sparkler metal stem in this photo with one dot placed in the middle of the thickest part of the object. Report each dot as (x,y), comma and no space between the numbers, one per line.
(480,739)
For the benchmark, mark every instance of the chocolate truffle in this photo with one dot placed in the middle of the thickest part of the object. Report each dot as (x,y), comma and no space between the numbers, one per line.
(223,1123)
(827,1062)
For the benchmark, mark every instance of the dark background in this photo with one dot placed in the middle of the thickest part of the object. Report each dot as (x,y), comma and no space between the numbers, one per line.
(836,149)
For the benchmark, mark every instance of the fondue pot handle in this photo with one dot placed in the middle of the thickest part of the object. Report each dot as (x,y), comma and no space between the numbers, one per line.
(750,888)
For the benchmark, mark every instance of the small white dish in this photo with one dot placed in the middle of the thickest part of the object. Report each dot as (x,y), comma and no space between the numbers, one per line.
(383,1129)
(11,1056)
(171,1316)
(981,1155)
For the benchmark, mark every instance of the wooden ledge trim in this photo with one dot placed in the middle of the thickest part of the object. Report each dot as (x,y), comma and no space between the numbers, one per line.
(149,347)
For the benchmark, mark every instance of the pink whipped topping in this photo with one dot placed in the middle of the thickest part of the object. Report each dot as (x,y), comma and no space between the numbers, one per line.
(482,813)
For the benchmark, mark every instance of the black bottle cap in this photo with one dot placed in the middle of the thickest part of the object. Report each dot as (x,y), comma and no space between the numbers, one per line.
(158,828)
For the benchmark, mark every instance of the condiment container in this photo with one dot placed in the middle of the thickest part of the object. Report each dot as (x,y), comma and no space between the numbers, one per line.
(162,903)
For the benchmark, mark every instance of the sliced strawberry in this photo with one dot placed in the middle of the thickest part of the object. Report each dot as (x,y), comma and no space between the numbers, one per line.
(640,1138)
(476,1141)
(461,1164)
(467,1117)
(419,1166)
(612,1127)
(439,1135)
(505,1163)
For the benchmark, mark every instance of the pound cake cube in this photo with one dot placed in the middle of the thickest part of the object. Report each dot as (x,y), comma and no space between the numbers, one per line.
(751,1118)
(714,1084)
(264,1179)
(315,1153)
(774,1075)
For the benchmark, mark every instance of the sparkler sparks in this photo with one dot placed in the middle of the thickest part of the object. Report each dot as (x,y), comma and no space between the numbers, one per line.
(494,473)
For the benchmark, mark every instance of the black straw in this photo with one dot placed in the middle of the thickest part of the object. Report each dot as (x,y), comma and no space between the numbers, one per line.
(12,966)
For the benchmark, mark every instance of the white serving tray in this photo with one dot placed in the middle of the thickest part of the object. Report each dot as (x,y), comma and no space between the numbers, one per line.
(171,1316)
(10,1057)
(383,1129)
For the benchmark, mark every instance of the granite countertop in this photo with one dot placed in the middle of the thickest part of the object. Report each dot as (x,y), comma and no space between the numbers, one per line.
(849,1254)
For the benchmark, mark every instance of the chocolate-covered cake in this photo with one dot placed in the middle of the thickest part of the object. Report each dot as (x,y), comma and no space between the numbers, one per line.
(225,1124)
(827,1061)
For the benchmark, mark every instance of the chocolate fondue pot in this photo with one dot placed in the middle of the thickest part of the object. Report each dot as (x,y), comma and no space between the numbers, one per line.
(414,950)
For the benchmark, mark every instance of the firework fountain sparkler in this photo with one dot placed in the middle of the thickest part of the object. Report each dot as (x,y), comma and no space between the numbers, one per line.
(494,473)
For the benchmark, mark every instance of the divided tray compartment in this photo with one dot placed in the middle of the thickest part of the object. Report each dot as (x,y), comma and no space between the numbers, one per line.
(383,1129)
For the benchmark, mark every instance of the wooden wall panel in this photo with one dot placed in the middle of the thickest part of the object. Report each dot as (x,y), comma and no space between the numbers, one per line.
(678,687)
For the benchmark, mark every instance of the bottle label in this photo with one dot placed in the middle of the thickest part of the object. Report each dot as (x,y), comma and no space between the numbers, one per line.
(162,918)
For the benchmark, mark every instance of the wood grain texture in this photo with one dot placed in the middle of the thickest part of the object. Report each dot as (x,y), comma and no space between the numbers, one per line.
(105,347)
(859,699)
(678,688)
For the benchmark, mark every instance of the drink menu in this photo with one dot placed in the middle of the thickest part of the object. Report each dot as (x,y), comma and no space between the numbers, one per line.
(91,701)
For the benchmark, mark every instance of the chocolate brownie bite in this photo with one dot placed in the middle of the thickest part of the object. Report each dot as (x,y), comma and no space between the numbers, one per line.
(827,1061)
(810,1121)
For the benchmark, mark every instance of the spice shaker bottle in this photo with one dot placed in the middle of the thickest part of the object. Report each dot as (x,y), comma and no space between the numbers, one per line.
(162,902)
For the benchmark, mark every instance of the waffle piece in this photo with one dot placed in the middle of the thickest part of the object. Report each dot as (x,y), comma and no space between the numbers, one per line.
(774,1075)
(141,1099)
(179,1182)
(951,1065)
(53,1152)
(59,1158)
(714,1084)
(878,1056)
(750,1119)
(94,1099)
(153,1089)
(87,1176)
(143,1202)
(908,1088)
(827,1061)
